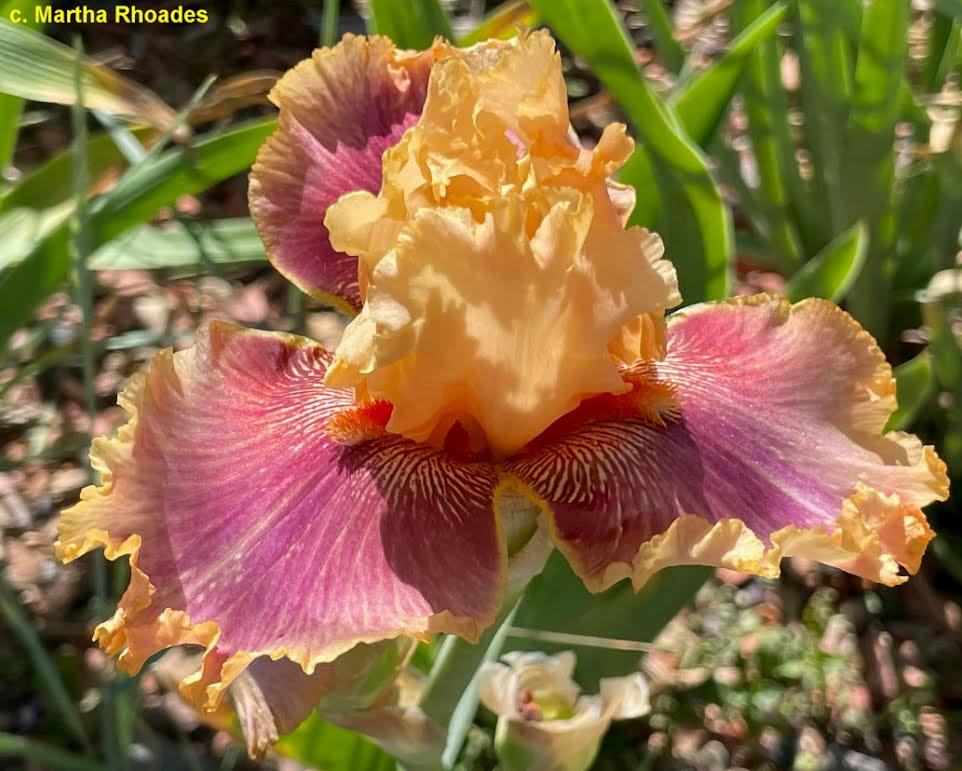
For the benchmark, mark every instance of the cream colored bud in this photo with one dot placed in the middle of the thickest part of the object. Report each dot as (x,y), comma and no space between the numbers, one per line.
(544,723)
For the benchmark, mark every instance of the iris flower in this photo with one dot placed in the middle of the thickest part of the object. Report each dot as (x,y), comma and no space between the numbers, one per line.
(510,357)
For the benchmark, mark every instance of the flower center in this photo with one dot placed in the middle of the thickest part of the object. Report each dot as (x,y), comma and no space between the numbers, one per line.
(547,706)
(501,287)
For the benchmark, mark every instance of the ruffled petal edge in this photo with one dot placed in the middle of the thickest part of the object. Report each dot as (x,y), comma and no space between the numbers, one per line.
(136,631)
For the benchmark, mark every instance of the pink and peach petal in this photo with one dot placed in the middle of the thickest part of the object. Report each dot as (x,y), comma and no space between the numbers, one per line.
(253,533)
(271,698)
(774,449)
(339,111)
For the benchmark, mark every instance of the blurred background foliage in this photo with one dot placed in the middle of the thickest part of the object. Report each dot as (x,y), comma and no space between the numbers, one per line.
(809,147)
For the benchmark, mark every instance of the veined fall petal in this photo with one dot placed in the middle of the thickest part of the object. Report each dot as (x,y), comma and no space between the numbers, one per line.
(503,287)
(773,448)
(253,532)
(368,689)
(339,111)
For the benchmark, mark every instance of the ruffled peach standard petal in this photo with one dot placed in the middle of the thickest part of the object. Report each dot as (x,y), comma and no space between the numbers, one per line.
(490,321)
(254,533)
(502,283)
(773,448)
(339,111)
(491,110)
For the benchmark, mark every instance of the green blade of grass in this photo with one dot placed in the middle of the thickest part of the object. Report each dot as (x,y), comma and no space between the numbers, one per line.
(24,286)
(135,200)
(141,159)
(617,613)
(662,29)
(950,7)
(783,198)
(413,24)
(11,107)
(150,186)
(502,23)
(767,104)
(850,18)
(21,228)
(332,12)
(698,234)
(697,230)
(18,231)
(915,383)
(49,184)
(920,200)
(319,744)
(113,753)
(703,101)
(33,66)
(951,55)
(149,247)
(43,755)
(454,667)
(638,172)
(831,273)
(758,212)
(870,133)
(47,674)
(940,33)
(462,717)
(869,167)
(450,695)
(826,70)
(945,348)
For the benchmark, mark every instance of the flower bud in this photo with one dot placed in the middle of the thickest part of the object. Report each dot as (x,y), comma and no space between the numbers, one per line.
(544,724)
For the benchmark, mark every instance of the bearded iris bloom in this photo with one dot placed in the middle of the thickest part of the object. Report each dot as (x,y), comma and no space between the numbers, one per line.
(510,355)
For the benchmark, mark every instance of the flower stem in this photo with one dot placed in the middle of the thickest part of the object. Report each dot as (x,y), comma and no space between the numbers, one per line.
(450,697)
(329,23)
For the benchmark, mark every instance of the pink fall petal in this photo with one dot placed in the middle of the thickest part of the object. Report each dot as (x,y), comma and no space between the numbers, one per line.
(271,698)
(775,449)
(339,111)
(251,532)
